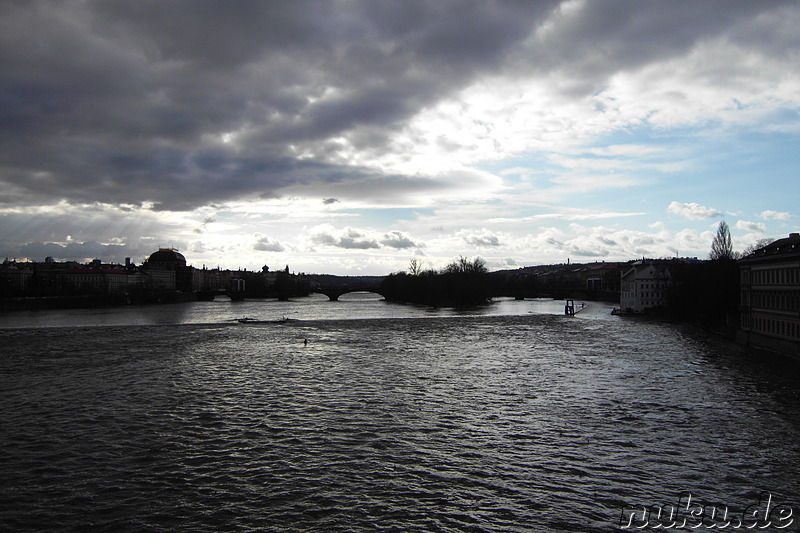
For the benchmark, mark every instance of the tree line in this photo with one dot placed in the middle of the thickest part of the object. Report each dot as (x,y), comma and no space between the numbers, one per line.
(463,282)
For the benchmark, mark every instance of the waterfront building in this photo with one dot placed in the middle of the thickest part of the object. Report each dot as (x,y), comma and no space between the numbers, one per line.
(645,286)
(160,280)
(208,282)
(99,281)
(601,281)
(166,264)
(15,278)
(163,277)
(770,296)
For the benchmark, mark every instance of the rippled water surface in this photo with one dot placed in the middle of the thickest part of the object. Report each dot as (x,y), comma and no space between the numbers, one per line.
(515,422)
(315,307)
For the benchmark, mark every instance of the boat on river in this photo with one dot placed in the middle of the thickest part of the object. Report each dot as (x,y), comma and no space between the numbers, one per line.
(250,320)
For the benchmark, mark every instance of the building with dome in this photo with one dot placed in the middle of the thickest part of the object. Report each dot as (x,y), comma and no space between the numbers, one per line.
(167,270)
(166,259)
(163,277)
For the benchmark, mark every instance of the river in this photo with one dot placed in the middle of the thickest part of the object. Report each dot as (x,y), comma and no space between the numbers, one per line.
(362,415)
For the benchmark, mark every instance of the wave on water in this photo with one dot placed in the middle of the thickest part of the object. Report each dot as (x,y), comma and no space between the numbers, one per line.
(463,423)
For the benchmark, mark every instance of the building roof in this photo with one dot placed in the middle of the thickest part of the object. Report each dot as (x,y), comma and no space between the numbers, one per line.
(167,256)
(659,267)
(787,245)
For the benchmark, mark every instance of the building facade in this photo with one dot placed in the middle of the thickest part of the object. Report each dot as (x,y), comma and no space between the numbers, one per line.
(645,286)
(770,296)
(103,281)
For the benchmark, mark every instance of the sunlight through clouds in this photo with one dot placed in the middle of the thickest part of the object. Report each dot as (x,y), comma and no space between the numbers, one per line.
(352,136)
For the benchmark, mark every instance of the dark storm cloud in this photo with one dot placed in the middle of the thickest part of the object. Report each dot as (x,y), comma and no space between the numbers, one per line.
(399,240)
(130,102)
(126,102)
(78,234)
(268,244)
(482,240)
(603,37)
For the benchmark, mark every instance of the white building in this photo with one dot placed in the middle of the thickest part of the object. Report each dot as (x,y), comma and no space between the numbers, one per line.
(646,285)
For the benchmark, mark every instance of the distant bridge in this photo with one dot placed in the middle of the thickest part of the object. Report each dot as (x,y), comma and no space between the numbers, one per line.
(335,286)
(335,292)
(209,295)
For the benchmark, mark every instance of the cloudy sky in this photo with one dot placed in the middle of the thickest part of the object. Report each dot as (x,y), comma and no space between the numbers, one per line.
(349,136)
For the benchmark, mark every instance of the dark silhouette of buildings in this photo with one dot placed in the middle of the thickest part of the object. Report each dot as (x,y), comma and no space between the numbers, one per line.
(163,277)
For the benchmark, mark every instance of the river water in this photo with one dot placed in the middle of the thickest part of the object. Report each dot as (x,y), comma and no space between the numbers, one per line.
(362,415)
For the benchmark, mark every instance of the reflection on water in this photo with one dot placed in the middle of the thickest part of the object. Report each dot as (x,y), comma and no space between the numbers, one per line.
(515,422)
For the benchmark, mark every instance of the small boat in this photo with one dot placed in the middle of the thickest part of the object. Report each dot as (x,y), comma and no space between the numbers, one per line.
(250,320)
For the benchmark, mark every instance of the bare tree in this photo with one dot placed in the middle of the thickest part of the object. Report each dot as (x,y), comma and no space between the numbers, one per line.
(479,266)
(415,267)
(760,243)
(722,246)
(464,265)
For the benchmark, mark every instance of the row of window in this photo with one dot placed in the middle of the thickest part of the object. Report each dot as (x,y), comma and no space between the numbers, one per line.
(771,326)
(776,276)
(651,284)
(778,300)
(643,300)
(651,294)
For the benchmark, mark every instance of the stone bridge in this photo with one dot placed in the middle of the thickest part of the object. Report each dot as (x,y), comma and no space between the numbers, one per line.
(335,292)
(335,286)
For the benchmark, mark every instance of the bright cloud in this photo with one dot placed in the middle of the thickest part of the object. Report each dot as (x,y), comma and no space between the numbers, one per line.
(353,238)
(358,134)
(693,211)
(756,227)
(775,215)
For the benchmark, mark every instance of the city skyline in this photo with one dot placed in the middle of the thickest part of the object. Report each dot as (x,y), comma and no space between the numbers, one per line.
(350,137)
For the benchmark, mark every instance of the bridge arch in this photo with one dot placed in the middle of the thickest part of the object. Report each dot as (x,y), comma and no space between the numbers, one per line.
(333,293)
